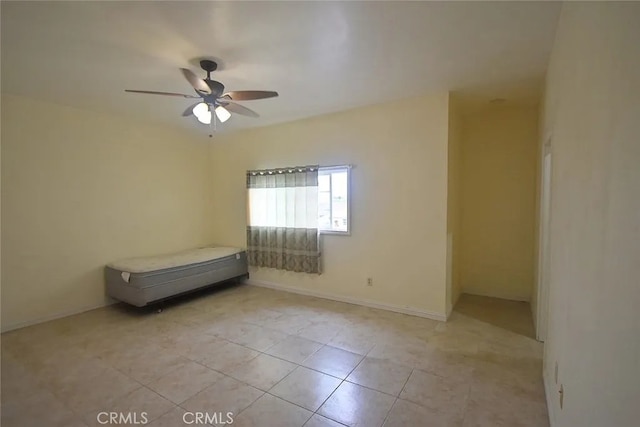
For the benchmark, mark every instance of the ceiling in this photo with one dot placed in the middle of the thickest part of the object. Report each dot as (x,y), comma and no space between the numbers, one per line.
(321,57)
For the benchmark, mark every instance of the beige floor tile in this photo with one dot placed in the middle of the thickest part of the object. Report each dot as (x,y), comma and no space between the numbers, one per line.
(226,395)
(294,349)
(146,371)
(234,330)
(96,392)
(305,387)
(223,325)
(505,399)
(320,421)
(500,409)
(174,418)
(261,315)
(404,414)
(184,382)
(411,353)
(448,396)
(511,315)
(183,314)
(355,405)
(60,371)
(196,347)
(91,361)
(148,364)
(333,361)
(321,332)
(354,341)
(171,339)
(258,338)
(446,364)
(113,343)
(227,356)
(141,404)
(272,410)
(18,383)
(518,381)
(263,372)
(458,342)
(155,330)
(40,408)
(381,375)
(511,351)
(289,324)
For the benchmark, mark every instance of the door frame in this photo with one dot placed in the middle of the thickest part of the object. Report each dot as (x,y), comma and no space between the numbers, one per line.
(543,241)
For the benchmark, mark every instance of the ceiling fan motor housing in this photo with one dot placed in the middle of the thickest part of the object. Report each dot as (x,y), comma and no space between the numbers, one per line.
(208,65)
(217,88)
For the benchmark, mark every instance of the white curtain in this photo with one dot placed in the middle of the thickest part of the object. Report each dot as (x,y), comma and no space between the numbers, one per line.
(282,229)
(295,207)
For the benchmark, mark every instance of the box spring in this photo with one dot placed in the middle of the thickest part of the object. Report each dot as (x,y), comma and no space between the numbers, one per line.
(147,287)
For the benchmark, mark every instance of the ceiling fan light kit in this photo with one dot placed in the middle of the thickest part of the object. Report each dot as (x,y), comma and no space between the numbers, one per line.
(202,112)
(222,113)
(212,96)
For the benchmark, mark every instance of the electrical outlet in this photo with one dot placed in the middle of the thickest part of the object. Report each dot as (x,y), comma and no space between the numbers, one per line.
(555,375)
(369,281)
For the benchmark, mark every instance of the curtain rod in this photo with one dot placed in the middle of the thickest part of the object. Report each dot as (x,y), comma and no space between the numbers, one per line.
(291,169)
(349,166)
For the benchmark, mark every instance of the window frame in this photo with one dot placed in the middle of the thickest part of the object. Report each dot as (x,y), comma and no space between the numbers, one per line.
(327,170)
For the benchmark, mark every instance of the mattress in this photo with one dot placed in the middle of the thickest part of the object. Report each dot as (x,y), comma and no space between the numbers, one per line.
(140,281)
(178,259)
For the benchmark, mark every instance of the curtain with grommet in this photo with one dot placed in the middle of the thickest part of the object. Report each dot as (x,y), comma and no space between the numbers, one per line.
(282,220)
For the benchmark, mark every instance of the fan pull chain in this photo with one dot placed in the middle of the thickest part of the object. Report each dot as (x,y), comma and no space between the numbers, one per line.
(213,120)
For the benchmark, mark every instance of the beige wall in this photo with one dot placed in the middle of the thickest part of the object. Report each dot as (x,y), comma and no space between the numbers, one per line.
(398,205)
(592,112)
(81,189)
(498,174)
(454,208)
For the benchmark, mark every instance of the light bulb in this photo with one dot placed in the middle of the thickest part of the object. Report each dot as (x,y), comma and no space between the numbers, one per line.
(202,113)
(222,113)
(204,117)
(200,109)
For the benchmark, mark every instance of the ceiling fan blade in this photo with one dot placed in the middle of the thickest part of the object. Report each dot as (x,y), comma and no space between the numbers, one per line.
(195,81)
(151,92)
(189,110)
(239,109)
(248,95)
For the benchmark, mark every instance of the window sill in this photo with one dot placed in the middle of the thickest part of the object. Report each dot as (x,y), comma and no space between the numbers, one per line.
(335,233)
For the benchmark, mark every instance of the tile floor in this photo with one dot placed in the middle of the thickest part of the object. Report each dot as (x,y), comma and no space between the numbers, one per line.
(514,316)
(269,358)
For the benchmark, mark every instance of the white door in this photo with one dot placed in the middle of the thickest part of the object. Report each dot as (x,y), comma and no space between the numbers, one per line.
(543,254)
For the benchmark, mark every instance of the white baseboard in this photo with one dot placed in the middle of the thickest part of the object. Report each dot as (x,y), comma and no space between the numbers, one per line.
(350,300)
(497,295)
(19,325)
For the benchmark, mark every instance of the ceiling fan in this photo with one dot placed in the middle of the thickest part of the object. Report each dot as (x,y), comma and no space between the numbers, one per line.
(212,96)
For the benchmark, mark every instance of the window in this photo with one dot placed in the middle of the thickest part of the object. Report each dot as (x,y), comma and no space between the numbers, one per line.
(333,200)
